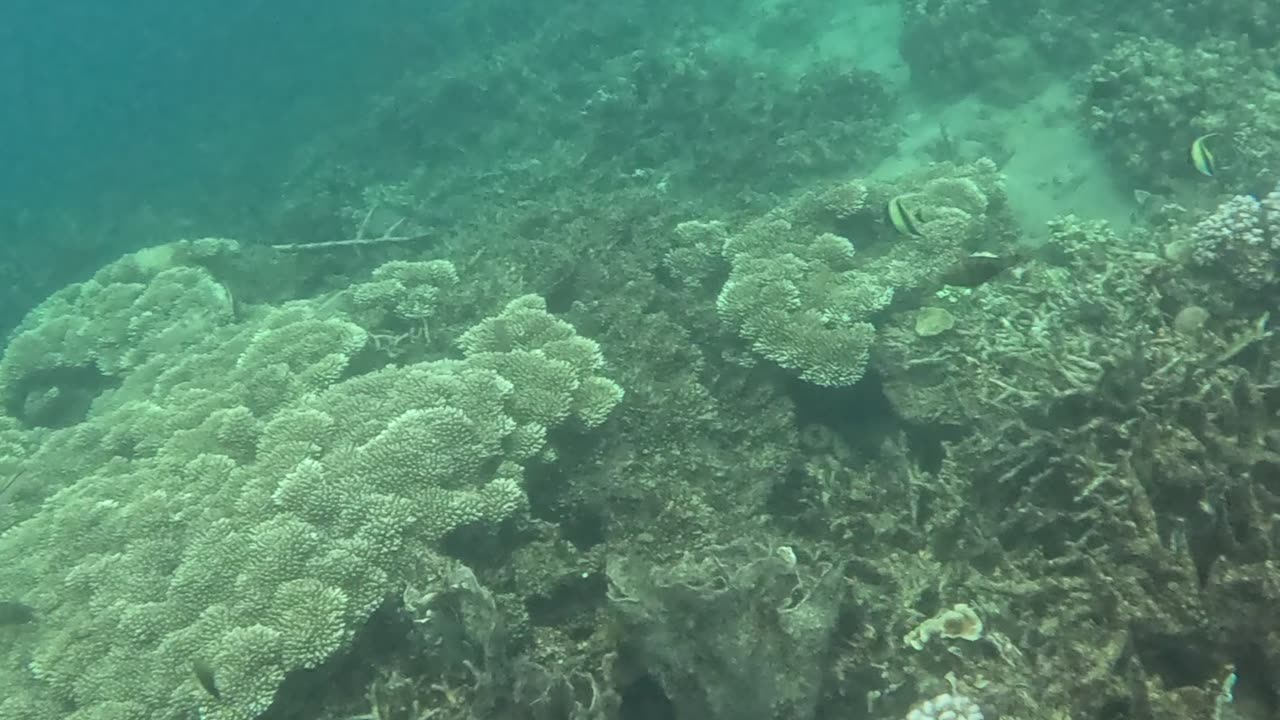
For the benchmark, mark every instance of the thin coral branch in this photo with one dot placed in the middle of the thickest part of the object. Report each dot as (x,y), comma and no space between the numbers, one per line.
(11,480)
(359,239)
(289,247)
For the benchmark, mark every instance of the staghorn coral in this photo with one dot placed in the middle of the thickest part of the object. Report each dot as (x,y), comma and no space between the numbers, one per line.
(1016,341)
(239,501)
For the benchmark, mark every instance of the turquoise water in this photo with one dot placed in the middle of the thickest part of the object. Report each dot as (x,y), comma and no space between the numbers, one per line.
(126,127)
(639,361)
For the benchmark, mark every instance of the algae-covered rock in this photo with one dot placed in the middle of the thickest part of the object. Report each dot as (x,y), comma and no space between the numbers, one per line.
(933,321)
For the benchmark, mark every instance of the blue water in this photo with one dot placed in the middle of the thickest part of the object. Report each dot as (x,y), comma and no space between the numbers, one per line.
(132,102)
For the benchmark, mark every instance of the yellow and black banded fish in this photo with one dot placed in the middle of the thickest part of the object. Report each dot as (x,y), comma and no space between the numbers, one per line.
(1201,157)
(903,219)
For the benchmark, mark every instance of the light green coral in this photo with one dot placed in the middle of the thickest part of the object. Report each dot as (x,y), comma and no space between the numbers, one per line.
(238,498)
(800,301)
(801,295)
(525,343)
(322,614)
(695,256)
(403,295)
(839,201)
(148,303)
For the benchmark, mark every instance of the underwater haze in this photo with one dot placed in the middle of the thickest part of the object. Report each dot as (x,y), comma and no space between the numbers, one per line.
(173,116)
(644,360)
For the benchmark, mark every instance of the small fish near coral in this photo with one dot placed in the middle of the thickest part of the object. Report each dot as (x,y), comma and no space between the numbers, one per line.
(1202,158)
(905,220)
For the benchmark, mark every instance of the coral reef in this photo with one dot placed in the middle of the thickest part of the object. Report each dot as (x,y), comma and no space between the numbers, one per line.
(1082,447)
(959,47)
(801,297)
(1239,242)
(1058,470)
(826,120)
(606,115)
(1148,98)
(247,490)
(1014,342)
(1005,50)
(911,464)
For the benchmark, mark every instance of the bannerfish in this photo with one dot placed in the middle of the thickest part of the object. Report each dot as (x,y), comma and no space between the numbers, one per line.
(904,220)
(1201,157)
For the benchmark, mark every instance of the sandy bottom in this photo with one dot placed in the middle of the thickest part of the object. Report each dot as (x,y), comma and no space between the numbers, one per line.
(1052,167)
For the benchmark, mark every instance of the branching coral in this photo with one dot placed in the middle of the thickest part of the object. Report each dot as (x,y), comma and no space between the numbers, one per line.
(804,313)
(403,295)
(801,297)
(1148,99)
(1240,241)
(153,301)
(244,503)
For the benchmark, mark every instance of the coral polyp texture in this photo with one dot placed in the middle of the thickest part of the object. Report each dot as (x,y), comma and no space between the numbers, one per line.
(239,488)
(808,281)
(1240,240)
(1147,99)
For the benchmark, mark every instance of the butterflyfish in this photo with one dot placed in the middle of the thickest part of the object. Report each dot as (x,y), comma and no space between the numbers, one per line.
(1201,157)
(904,220)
